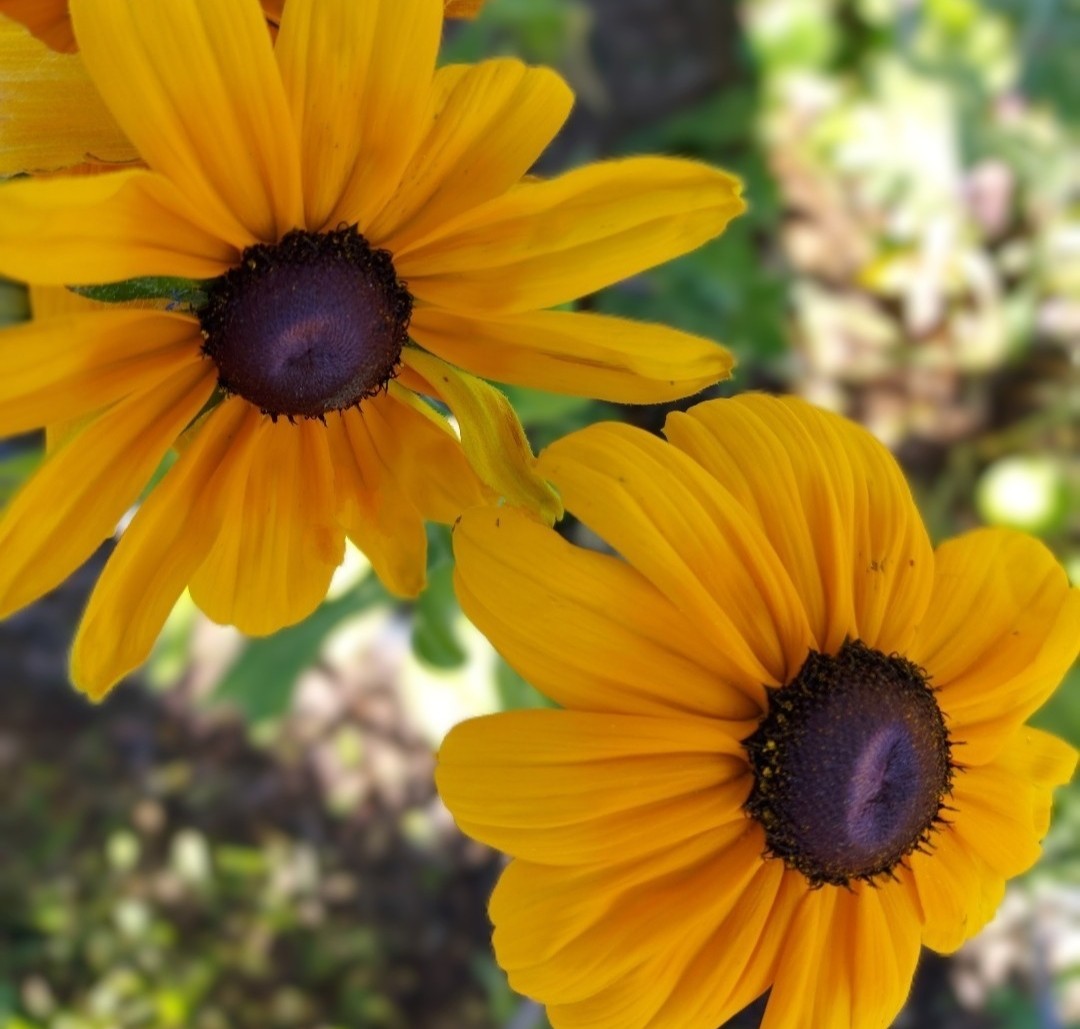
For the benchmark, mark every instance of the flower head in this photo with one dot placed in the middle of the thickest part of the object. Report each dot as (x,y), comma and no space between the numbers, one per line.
(360,236)
(792,746)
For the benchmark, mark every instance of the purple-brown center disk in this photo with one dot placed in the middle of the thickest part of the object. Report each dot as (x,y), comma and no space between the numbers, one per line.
(312,324)
(851,766)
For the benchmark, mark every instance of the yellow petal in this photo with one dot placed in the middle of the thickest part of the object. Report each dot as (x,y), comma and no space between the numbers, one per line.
(538,909)
(397,463)
(378,516)
(587,355)
(358,78)
(491,434)
(688,536)
(273,10)
(490,123)
(848,959)
(660,911)
(78,496)
(1001,811)
(545,243)
(53,116)
(425,454)
(195,88)
(1001,631)
(1003,808)
(47,302)
(103,228)
(279,543)
(738,962)
(585,628)
(167,540)
(59,369)
(832,504)
(50,301)
(958,892)
(569,787)
(701,969)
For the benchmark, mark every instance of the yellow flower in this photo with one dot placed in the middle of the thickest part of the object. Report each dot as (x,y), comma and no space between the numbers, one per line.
(792,748)
(341,196)
(50,21)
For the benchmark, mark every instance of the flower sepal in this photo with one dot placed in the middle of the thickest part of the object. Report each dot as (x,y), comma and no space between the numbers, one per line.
(179,293)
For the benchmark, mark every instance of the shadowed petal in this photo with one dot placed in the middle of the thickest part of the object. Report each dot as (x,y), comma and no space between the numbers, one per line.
(77,498)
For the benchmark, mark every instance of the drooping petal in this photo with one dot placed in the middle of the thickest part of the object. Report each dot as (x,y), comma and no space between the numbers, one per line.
(358,79)
(159,552)
(491,434)
(69,366)
(1002,629)
(426,457)
(832,504)
(103,228)
(848,959)
(279,542)
(659,907)
(588,355)
(397,463)
(692,540)
(490,122)
(78,496)
(545,243)
(1003,808)
(194,86)
(53,117)
(585,628)
(376,514)
(570,787)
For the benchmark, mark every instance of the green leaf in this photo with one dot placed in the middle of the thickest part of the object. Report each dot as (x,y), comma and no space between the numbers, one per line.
(14,303)
(15,469)
(186,293)
(515,693)
(434,636)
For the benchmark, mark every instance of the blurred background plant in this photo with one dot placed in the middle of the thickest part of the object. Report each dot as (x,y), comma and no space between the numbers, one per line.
(248,835)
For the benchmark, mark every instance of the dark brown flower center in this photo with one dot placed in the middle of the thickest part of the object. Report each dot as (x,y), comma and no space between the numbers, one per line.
(310,325)
(851,765)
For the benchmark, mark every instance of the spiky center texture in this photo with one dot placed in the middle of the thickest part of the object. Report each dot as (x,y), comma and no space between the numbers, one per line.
(313,324)
(852,765)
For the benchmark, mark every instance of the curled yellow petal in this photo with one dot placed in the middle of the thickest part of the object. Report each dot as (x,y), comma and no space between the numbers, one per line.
(491,434)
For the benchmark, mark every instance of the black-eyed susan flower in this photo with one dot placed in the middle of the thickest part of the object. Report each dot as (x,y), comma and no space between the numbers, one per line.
(792,746)
(350,229)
